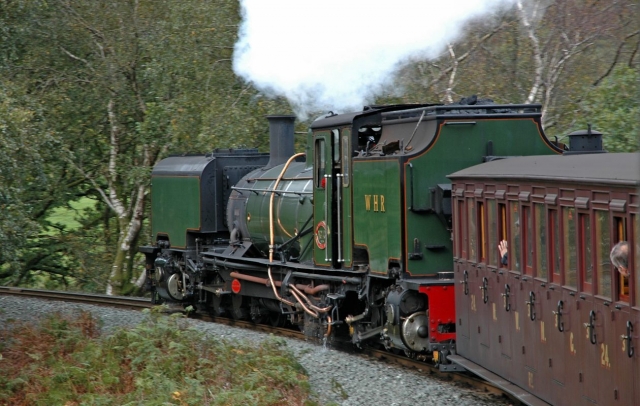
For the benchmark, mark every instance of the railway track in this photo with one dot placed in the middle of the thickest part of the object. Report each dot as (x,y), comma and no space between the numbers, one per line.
(131,303)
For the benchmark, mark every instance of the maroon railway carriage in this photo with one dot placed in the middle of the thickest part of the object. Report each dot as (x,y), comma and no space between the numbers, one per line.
(558,324)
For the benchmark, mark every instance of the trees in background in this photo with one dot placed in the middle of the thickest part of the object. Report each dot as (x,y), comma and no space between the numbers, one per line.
(92,94)
(540,51)
(112,87)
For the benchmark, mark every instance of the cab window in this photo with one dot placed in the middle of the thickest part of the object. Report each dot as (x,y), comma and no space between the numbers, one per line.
(320,163)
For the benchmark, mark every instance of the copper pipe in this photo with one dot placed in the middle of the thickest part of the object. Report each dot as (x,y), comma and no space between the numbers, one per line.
(274,289)
(314,314)
(271,236)
(308,289)
(262,281)
(328,333)
(311,305)
(275,187)
(311,290)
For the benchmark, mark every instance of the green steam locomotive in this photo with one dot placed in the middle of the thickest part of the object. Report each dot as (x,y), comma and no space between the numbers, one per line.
(351,239)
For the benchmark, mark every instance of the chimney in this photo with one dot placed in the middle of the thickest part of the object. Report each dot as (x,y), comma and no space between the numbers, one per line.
(281,139)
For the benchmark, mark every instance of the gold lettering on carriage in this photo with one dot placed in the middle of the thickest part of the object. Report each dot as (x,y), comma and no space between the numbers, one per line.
(378,203)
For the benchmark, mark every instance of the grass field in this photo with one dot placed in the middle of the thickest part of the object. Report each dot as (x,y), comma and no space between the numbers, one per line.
(69,217)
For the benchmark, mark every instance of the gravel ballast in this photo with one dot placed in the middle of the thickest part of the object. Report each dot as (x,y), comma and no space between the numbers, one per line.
(335,377)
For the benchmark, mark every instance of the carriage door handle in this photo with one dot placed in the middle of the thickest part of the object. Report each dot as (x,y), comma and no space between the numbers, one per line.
(558,314)
(590,326)
(627,338)
(465,280)
(485,295)
(505,295)
(531,303)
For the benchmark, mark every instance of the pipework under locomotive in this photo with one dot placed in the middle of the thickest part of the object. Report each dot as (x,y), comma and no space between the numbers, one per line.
(354,241)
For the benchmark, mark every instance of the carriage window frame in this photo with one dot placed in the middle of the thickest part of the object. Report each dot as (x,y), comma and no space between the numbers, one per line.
(621,282)
(555,247)
(569,247)
(585,252)
(541,241)
(502,227)
(462,235)
(633,261)
(602,264)
(527,235)
(482,240)
(514,244)
(472,230)
(492,233)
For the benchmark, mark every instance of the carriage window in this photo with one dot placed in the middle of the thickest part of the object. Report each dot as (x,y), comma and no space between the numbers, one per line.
(502,226)
(481,233)
(528,239)
(636,257)
(320,168)
(541,240)
(603,263)
(554,243)
(471,223)
(462,235)
(569,247)
(514,237)
(493,232)
(585,252)
(345,158)
(621,235)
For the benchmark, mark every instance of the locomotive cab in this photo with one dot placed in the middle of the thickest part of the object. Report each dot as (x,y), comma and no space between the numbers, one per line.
(354,242)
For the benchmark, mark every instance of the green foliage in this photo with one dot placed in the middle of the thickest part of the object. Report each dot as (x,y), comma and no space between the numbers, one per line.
(163,70)
(161,361)
(612,108)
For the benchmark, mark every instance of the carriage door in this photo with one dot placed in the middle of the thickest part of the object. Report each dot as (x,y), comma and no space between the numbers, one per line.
(328,199)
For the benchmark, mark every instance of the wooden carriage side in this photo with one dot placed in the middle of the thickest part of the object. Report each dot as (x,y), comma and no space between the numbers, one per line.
(558,320)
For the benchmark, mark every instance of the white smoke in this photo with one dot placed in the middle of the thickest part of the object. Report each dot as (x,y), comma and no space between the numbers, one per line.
(339,54)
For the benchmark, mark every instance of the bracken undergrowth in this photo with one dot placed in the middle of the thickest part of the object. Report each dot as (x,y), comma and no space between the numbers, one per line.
(64,360)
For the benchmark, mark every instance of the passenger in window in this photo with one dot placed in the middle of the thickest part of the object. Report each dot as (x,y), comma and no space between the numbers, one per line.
(504,248)
(620,257)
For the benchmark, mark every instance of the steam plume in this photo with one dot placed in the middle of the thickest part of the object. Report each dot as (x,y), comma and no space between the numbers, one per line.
(338,54)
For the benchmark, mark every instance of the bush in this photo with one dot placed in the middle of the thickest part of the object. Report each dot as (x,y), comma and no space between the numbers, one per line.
(65,361)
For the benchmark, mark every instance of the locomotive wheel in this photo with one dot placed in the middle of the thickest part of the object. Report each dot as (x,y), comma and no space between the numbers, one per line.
(216,309)
(277,319)
(238,311)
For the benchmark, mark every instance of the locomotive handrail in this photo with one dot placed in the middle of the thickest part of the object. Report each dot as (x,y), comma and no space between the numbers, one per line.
(278,192)
(338,231)
(326,213)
